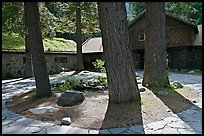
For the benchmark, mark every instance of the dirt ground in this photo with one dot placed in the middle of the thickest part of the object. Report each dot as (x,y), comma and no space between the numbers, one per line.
(97,113)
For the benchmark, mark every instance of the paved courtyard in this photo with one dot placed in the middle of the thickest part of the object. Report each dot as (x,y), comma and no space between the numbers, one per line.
(185,122)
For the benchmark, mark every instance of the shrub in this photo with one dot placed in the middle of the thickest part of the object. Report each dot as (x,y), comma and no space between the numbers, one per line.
(99,64)
(69,84)
(102,80)
(75,83)
(176,85)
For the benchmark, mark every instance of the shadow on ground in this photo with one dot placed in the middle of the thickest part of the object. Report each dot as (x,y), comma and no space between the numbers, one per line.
(123,115)
(181,103)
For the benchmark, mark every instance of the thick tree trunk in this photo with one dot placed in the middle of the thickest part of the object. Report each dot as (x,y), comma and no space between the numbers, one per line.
(122,83)
(155,66)
(38,59)
(80,65)
(28,65)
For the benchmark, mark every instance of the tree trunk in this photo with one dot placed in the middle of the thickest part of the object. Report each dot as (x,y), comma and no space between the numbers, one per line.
(43,88)
(122,82)
(80,65)
(28,65)
(155,66)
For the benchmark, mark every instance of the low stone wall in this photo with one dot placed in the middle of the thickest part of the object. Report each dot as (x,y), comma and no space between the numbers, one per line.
(13,65)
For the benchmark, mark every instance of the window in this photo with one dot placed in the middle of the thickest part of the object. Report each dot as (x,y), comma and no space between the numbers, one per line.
(60,59)
(179,55)
(141,37)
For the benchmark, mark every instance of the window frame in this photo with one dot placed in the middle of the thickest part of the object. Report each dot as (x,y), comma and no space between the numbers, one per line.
(139,37)
(60,59)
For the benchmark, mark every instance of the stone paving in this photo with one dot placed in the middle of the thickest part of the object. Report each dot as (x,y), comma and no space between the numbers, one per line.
(185,122)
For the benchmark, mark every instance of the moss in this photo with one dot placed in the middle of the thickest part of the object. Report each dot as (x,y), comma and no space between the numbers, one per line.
(131,105)
(165,77)
(12,41)
(16,42)
(32,94)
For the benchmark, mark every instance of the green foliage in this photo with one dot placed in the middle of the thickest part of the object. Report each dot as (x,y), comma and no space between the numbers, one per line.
(49,23)
(102,80)
(33,95)
(58,44)
(54,17)
(100,65)
(69,84)
(14,41)
(175,85)
(66,14)
(132,105)
(190,11)
(12,17)
(62,88)
(75,83)
(134,9)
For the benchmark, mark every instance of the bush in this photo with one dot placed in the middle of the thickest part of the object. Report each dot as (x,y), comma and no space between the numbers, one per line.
(102,80)
(176,85)
(69,84)
(75,83)
(99,64)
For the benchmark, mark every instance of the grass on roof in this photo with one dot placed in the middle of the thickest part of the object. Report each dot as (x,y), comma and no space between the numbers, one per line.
(16,42)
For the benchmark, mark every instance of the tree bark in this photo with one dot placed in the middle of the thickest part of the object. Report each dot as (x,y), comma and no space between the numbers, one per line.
(28,65)
(80,65)
(155,66)
(122,82)
(43,88)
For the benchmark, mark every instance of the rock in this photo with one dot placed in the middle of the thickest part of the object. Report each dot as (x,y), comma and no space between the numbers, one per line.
(84,85)
(70,98)
(194,101)
(85,72)
(66,121)
(41,110)
(163,93)
(51,109)
(168,110)
(192,71)
(142,89)
(93,83)
(177,84)
(37,111)
(100,87)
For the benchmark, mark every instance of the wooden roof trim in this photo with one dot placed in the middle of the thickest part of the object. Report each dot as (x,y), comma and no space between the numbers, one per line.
(167,14)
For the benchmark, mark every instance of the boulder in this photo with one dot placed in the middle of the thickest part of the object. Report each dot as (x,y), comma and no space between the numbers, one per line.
(70,98)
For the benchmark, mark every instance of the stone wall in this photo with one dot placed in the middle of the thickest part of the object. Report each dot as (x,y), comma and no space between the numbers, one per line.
(13,65)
